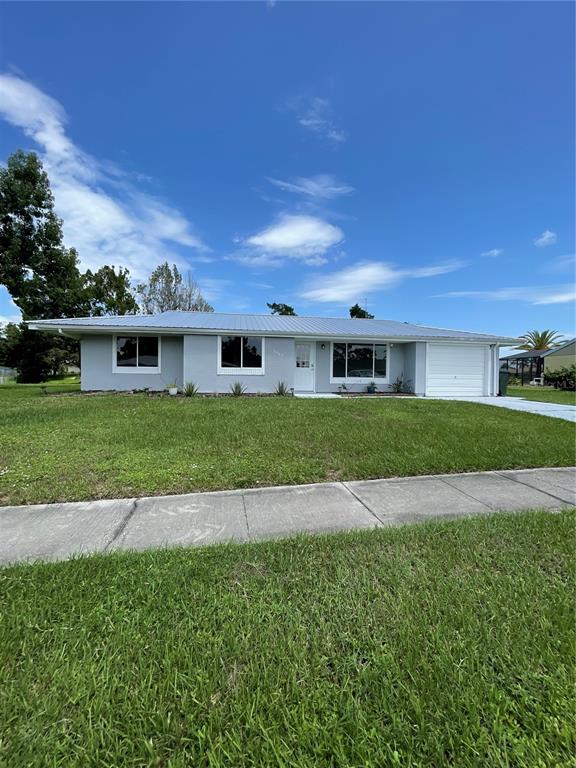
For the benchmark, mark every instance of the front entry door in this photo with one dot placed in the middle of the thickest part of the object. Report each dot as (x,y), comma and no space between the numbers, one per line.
(304,376)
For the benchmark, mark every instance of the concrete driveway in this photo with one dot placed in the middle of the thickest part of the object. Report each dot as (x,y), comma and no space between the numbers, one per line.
(60,531)
(567,412)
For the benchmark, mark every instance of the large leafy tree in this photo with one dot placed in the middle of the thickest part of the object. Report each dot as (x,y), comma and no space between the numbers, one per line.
(357,311)
(42,275)
(108,292)
(167,289)
(280,309)
(540,340)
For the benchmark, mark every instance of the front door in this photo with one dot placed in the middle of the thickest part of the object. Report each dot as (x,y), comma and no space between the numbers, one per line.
(304,376)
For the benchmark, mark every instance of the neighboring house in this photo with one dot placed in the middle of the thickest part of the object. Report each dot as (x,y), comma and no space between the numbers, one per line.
(532,363)
(309,354)
(562,356)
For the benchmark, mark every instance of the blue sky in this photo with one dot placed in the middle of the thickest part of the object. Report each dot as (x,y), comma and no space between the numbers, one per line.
(417,156)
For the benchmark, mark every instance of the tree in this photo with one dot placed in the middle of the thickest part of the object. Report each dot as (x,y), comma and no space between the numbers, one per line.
(37,356)
(540,340)
(358,312)
(109,292)
(7,343)
(166,289)
(280,309)
(40,274)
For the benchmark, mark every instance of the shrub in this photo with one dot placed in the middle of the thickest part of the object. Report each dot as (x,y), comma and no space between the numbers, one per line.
(190,389)
(400,384)
(562,378)
(237,389)
(514,381)
(282,389)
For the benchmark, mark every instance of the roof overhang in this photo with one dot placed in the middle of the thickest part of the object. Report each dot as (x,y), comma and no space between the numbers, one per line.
(76,331)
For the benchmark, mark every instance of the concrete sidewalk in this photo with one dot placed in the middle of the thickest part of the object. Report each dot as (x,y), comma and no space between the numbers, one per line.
(59,531)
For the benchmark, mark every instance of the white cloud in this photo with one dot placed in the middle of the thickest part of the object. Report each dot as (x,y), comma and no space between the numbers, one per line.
(302,238)
(493,253)
(213,288)
(106,218)
(324,186)
(554,294)
(355,282)
(316,115)
(546,238)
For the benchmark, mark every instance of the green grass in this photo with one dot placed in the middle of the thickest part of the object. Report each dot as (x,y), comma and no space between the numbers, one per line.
(543,394)
(68,447)
(430,645)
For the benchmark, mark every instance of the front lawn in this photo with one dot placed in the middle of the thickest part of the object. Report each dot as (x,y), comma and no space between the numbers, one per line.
(71,446)
(543,394)
(438,644)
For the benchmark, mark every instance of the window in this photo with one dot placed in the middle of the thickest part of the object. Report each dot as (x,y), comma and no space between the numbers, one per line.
(241,354)
(362,361)
(137,354)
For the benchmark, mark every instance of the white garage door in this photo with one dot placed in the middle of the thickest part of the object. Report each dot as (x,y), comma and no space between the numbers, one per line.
(457,369)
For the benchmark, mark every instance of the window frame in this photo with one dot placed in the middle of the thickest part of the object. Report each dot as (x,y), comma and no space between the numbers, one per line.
(241,371)
(360,379)
(136,369)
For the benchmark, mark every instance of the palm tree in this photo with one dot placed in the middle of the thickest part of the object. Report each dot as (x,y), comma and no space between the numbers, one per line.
(540,340)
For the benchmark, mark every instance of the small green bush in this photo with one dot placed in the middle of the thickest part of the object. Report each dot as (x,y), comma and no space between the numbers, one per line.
(562,378)
(237,389)
(401,384)
(190,389)
(282,389)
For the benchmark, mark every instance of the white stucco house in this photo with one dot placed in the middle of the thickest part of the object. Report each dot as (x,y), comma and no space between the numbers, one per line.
(309,354)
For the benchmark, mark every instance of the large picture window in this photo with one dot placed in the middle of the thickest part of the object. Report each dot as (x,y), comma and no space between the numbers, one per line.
(241,354)
(137,354)
(359,360)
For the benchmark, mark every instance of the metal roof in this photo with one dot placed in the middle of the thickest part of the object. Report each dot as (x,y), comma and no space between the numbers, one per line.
(527,354)
(538,352)
(279,325)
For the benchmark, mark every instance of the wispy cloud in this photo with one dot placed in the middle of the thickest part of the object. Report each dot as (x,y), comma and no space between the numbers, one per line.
(324,186)
(493,253)
(106,217)
(565,263)
(317,116)
(291,237)
(552,294)
(355,282)
(546,238)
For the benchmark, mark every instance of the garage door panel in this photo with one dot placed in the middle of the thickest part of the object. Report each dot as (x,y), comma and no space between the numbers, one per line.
(456,369)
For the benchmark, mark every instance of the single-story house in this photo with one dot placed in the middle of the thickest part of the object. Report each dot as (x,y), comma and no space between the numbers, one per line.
(309,354)
(532,363)
(562,356)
